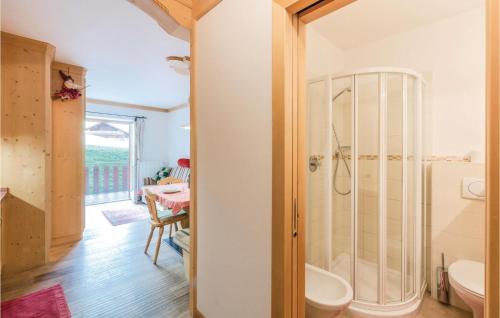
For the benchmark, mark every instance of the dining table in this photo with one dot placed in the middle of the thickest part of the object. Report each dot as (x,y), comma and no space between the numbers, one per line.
(176,201)
(175,197)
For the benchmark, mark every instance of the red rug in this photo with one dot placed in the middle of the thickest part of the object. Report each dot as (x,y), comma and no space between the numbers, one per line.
(45,303)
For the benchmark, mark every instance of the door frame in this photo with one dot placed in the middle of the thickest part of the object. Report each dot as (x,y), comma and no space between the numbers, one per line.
(492,263)
(289,18)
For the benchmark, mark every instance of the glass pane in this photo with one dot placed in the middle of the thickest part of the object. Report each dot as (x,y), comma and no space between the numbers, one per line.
(319,185)
(341,166)
(394,186)
(410,184)
(367,182)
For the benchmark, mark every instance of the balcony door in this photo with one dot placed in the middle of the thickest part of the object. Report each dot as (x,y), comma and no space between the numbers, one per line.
(108,160)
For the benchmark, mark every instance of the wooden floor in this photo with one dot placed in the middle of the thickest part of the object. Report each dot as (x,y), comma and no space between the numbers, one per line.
(108,275)
(91,199)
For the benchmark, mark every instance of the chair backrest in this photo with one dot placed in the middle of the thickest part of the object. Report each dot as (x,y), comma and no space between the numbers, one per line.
(170,180)
(180,173)
(151,202)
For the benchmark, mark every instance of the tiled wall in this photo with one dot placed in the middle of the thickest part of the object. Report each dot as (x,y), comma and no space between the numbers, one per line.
(455,226)
(319,182)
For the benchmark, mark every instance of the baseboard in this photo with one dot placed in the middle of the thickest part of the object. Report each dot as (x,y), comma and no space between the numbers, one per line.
(56,241)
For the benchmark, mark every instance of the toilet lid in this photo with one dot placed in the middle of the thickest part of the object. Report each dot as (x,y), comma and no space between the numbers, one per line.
(468,274)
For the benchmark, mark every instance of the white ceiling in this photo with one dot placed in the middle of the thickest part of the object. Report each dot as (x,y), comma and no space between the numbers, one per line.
(122,48)
(370,20)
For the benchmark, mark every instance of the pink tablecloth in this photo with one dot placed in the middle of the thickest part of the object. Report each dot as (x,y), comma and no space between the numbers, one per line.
(157,189)
(175,201)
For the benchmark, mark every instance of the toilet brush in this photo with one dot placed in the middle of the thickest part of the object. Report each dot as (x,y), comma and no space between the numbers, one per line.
(443,289)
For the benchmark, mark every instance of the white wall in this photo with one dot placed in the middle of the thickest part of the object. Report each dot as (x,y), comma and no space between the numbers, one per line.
(451,54)
(456,227)
(177,138)
(323,57)
(234,160)
(164,139)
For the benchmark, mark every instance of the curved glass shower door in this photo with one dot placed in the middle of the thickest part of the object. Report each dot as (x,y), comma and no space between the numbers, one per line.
(319,185)
(364,187)
(367,186)
(342,219)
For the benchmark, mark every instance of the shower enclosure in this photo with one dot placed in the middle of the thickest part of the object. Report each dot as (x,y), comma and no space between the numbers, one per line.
(365,220)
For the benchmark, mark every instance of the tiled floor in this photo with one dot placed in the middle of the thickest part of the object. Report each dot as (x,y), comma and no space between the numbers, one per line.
(433,309)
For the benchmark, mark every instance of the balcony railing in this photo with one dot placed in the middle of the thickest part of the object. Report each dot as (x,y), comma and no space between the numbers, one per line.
(107,178)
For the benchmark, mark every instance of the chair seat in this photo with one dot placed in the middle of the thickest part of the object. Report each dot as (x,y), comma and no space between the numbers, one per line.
(164,215)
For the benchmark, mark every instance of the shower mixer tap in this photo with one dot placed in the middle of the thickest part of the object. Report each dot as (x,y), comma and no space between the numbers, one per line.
(315,162)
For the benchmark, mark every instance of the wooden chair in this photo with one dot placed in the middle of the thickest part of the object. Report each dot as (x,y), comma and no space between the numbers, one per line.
(170,180)
(159,219)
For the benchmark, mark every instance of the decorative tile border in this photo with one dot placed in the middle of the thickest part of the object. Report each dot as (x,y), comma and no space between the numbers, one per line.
(448,158)
(399,158)
(373,157)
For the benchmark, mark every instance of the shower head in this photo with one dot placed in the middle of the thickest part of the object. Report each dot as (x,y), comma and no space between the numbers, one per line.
(347,89)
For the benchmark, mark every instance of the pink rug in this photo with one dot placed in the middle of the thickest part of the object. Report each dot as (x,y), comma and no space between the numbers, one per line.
(124,216)
(45,303)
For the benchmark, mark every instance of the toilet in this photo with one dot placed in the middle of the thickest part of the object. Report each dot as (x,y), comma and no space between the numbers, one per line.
(467,278)
(327,294)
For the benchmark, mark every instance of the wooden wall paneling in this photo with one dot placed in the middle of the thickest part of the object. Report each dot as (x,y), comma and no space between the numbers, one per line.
(68,144)
(26,152)
(165,18)
(178,10)
(201,7)
(3,194)
(492,279)
(49,58)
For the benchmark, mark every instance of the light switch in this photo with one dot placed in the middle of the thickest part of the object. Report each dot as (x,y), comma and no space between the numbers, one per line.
(473,188)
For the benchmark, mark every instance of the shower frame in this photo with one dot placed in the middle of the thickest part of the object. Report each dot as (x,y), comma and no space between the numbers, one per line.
(419,257)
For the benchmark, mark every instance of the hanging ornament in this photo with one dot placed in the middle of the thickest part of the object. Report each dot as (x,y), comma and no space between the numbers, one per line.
(69,90)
